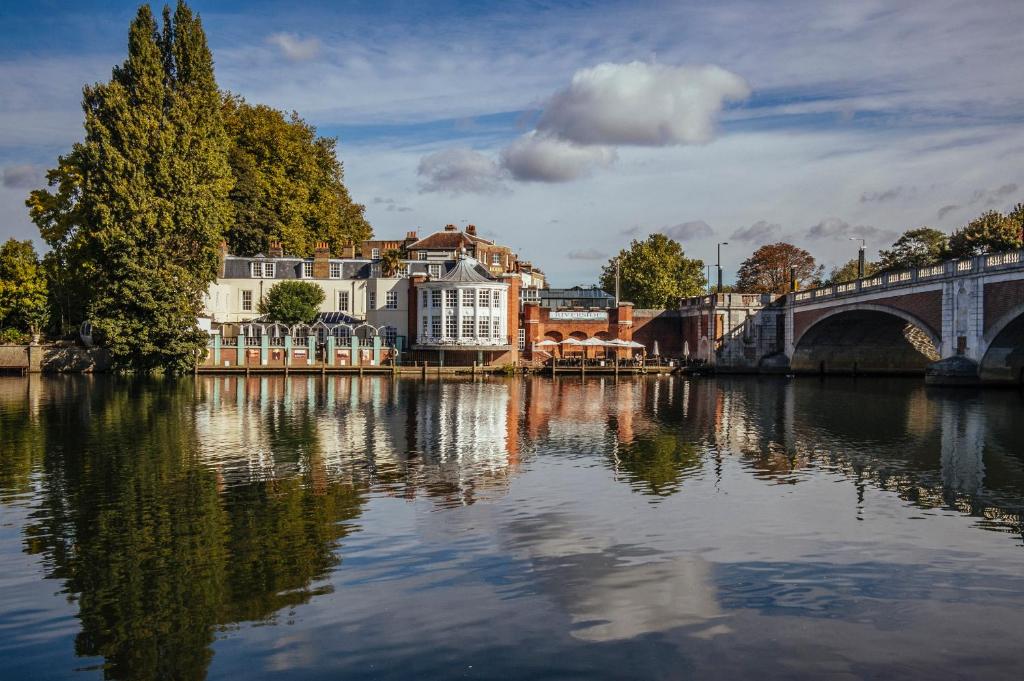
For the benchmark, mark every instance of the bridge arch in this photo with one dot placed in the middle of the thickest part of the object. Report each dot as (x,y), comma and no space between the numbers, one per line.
(866,338)
(1003,349)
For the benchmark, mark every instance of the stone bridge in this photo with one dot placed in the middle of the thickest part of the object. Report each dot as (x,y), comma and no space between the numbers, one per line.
(962,319)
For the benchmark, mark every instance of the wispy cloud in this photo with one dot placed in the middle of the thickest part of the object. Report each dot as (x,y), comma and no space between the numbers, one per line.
(689,231)
(23,177)
(586,254)
(760,232)
(457,171)
(294,48)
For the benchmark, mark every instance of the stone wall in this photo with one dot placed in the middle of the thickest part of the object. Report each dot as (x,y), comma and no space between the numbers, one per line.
(54,358)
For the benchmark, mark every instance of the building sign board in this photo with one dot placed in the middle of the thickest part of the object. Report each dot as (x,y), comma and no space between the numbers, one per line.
(578,315)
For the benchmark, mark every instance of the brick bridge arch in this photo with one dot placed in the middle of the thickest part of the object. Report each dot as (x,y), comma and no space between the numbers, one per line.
(863,337)
(1002,357)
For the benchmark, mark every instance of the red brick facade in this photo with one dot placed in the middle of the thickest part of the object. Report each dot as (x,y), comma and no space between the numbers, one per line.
(1001,297)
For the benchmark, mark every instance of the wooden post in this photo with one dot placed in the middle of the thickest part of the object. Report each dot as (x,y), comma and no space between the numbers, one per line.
(472,372)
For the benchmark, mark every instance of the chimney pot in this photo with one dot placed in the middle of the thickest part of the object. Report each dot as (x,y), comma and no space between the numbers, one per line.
(449,228)
(471,230)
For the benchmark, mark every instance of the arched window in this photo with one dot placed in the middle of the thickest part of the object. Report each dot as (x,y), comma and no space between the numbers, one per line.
(390,336)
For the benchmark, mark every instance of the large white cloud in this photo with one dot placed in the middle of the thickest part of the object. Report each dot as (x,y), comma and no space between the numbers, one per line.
(642,104)
(460,170)
(538,157)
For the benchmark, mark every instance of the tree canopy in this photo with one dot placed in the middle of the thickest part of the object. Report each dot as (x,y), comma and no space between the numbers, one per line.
(918,247)
(23,290)
(990,232)
(287,184)
(848,271)
(292,302)
(767,270)
(138,207)
(655,273)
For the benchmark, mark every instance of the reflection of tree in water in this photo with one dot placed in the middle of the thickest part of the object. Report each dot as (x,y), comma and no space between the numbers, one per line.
(656,464)
(156,557)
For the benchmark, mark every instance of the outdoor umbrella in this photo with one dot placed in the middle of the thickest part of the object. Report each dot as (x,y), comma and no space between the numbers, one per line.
(572,341)
(546,343)
(686,348)
(656,353)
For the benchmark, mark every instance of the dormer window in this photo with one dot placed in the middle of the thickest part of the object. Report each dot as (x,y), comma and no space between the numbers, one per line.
(374,253)
(262,270)
(496,259)
(421,255)
(335,270)
(307,270)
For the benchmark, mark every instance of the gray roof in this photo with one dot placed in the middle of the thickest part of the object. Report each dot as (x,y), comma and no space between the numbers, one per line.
(574,292)
(468,271)
(237,267)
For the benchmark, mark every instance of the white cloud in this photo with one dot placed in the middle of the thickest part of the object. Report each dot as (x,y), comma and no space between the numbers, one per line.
(687,231)
(458,171)
(835,228)
(537,157)
(295,48)
(642,104)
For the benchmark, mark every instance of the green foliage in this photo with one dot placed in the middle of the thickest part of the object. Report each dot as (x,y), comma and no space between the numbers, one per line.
(848,272)
(139,206)
(990,232)
(390,262)
(655,273)
(23,292)
(919,247)
(657,464)
(292,302)
(767,270)
(288,184)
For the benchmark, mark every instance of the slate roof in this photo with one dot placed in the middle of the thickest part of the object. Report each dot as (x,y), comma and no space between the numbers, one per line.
(447,241)
(467,271)
(237,267)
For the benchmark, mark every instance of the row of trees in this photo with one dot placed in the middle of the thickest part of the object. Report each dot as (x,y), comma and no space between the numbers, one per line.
(171,165)
(656,273)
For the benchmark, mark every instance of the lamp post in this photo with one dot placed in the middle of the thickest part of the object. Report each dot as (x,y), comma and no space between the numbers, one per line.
(860,256)
(719,263)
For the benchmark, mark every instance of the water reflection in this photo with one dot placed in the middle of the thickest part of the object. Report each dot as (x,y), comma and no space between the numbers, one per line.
(173,512)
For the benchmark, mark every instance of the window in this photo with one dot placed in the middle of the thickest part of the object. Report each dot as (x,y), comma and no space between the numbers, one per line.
(483,297)
(246,301)
(421,255)
(496,258)
(468,330)
(391,300)
(255,269)
(496,328)
(374,253)
(390,336)
(426,324)
(451,297)
(268,270)
(335,270)
(522,339)
(451,329)
(435,326)
(343,301)
(484,327)
(375,270)
(435,298)
(434,271)
(403,269)
(495,298)
(342,333)
(371,299)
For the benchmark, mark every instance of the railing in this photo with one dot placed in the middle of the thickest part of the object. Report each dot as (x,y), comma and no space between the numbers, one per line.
(466,342)
(953,268)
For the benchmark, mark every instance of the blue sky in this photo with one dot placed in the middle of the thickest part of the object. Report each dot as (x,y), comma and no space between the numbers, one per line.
(567,129)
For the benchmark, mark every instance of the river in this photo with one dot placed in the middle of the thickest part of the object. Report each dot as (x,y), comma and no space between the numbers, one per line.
(645,528)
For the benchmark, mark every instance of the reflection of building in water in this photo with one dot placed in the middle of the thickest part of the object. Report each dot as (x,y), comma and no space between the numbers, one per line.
(445,440)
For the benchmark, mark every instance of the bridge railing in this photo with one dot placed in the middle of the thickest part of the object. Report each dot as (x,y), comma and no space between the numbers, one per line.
(1009,260)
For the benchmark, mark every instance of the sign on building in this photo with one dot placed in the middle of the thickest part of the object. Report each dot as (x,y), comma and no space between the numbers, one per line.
(578,316)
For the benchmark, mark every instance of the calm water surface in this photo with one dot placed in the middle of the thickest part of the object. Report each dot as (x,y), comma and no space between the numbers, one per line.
(365,528)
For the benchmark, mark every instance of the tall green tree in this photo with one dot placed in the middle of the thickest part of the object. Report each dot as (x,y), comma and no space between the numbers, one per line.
(288,184)
(142,202)
(23,293)
(990,232)
(767,270)
(655,273)
(918,247)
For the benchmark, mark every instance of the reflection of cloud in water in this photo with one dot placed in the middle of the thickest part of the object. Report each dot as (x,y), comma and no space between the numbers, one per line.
(614,592)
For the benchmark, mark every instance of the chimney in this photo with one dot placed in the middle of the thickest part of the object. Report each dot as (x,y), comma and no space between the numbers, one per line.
(411,236)
(348,250)
(471,230)
(450,228)
(275,250)
(321,261)
(222,256)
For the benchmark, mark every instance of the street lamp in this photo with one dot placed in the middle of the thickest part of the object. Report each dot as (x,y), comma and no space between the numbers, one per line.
(860,256)
(719,264)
